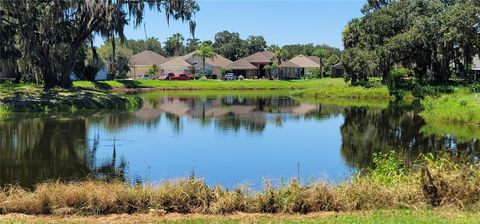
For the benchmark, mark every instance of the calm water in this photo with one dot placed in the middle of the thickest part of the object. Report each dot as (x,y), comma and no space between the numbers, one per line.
(227,140)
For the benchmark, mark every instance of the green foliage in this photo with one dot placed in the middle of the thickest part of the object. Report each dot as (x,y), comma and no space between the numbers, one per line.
(149,44)
(313,73)
(153,70)
(240,77)
(224,71)
(398,80)
(66,27)
(174,45)
(409,33)
(203,78)
(118,62)
(387,168)
(205,51)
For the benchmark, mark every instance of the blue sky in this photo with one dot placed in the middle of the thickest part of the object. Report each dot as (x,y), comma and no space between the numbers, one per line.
(280,22)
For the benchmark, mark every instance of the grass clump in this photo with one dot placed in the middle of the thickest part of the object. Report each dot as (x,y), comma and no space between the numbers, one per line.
(438,182)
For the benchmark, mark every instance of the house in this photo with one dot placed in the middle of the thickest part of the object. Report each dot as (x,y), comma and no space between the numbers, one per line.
(6,70)
(213,66)
(289,70)
(259,60)
(177,66)
(141,62)
(338,70)
(306,63)
(244,68)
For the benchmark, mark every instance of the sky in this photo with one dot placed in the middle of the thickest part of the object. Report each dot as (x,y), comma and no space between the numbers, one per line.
(280,22)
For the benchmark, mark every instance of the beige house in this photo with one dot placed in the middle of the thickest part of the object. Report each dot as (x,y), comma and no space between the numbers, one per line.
(212,65)
(306,63)
(177,66)
(289,70)
(6,70)
(259,60)
(142,61)
(243,67)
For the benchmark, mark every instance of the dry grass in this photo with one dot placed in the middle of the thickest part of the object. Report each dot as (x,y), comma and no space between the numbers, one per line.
(441,183)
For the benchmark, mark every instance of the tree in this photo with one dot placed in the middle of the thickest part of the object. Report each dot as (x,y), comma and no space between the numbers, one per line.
(255,44)
(279,55)
(436,39)
(272,70)
(174,45)
(119,67)
(52,32)
(205,52)
(192,45)
(230,45)
(153,70)
(322,54)
(150,44)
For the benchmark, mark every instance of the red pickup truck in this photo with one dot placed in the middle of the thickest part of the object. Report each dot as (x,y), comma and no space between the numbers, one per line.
(171,76)
(182,77)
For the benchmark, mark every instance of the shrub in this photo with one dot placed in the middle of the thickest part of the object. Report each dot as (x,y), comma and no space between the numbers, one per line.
(240,77)
(204,78)
(398,80)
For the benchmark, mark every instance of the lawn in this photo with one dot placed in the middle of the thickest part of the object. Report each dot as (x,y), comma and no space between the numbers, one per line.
(314,89)
(400,216)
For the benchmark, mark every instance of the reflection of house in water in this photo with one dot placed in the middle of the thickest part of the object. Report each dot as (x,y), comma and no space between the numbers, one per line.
(229,113)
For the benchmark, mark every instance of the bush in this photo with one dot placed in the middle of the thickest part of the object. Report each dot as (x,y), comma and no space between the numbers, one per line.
(240,77)
(198,76)
(314,73)
(203,78)
(398,80)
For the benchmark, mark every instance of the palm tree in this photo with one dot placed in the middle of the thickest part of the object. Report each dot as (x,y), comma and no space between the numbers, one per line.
(205,51)
(279,55)
(177,42)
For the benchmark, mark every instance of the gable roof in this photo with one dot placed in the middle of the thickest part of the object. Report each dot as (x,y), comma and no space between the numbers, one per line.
(176,62)
(218,60)
(338,66)
(147,58)
(288,64)
(261,57)
(476,63)
(241,64)
(314,59)
(304,62)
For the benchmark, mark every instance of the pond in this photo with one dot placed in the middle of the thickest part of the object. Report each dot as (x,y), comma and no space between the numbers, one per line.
(227,138)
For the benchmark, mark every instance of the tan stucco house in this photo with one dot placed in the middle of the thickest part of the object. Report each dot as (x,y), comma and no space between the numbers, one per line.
(177,66)
(259,60)
(141,62)
(243,67)
(306,63)
(212,65)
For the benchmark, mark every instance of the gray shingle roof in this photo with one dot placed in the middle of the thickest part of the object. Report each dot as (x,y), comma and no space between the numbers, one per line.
(241,64)
(261,57)
(148,58)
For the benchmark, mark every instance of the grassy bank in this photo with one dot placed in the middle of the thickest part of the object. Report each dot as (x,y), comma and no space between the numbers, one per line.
(432,216)
(439,183)
(319,88)
(458,108)
(32,98)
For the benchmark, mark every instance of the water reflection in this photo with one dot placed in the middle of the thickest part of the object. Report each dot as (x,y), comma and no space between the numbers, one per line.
(226,139)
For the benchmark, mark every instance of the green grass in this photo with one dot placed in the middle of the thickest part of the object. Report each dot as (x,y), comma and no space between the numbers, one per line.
(457,108)
(32,98)
(380,217)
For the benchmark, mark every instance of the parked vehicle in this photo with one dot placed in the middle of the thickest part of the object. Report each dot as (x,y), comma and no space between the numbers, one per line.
(147,76)
(166,76)
(230,76)
(183,77)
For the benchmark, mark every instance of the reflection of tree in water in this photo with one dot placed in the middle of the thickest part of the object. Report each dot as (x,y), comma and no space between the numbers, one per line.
(234,122)
(368,130)
(34,150)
